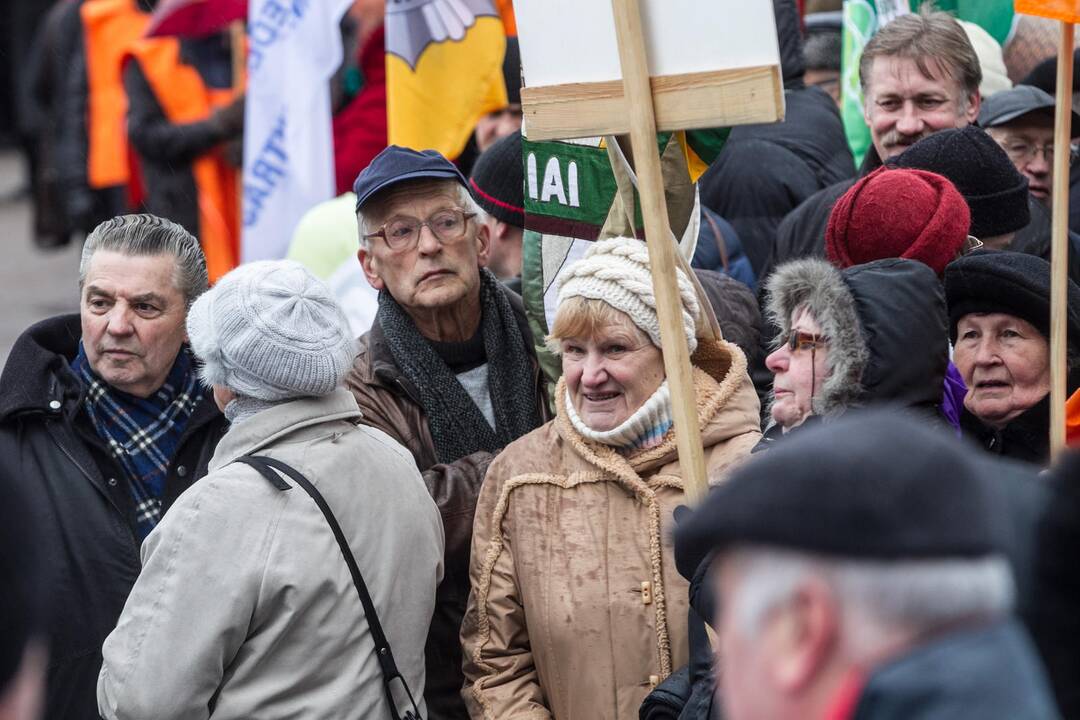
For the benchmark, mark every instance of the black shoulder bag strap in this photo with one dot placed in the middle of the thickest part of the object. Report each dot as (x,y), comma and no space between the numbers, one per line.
(383,652)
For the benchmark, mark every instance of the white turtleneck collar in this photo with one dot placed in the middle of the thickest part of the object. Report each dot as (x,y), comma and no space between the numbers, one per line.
(644,428)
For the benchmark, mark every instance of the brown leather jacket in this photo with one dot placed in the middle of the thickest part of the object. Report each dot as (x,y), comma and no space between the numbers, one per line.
(390,403)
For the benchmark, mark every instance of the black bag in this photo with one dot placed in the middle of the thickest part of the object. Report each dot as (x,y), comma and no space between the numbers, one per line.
(383,652)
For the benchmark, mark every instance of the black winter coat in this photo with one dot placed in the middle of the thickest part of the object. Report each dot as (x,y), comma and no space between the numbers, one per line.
(84,508)
(802,232)
(765,171)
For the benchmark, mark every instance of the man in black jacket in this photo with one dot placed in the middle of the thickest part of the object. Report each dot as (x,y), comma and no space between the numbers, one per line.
(765,171)
(919,74)
(104,422)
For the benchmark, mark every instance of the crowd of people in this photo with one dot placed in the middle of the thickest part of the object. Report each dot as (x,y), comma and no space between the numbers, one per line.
(249,499)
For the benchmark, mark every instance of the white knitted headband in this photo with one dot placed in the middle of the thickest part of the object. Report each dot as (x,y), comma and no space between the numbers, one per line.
(616,271)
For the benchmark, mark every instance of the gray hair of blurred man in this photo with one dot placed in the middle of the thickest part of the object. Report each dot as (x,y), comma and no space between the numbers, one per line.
(376,210)
(147,235)
(881,603)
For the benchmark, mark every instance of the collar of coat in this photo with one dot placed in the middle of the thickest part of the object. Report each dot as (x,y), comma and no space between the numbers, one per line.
(726,403)
(269,426)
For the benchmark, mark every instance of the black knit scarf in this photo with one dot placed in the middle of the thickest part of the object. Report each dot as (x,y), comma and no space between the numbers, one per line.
(458,428)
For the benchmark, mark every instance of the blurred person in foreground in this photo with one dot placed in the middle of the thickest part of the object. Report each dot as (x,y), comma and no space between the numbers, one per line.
(104,420)
(999,324)
(858,578)
(448,368)
(23,604)
(576,609)
(245,606)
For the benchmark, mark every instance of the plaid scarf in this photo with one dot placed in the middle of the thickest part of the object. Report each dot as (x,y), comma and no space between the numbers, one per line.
(143,434)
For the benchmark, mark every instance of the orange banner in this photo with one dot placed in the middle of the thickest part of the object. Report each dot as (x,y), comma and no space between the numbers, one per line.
(1064,10)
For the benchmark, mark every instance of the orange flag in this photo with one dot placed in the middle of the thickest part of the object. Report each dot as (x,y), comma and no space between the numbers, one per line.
(1064,10)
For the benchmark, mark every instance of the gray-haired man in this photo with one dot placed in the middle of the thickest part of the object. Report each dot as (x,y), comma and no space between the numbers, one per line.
(448,368)
(103,420)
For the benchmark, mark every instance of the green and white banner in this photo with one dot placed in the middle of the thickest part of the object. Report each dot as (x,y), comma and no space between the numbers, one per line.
(577,192)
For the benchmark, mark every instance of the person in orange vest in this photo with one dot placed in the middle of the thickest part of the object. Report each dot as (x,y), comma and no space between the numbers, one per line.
(185,124)
(1072,420)
(92,162)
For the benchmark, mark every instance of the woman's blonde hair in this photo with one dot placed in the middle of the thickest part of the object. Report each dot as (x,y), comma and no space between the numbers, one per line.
(582,317)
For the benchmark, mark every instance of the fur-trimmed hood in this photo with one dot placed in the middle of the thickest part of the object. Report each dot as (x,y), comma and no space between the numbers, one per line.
(886,324)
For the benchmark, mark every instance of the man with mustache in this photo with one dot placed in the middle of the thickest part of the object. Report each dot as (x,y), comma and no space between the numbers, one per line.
(103,421)
(919,74)
(448,368)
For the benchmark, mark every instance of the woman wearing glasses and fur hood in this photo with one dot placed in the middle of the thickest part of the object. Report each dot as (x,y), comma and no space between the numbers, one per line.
(869,334)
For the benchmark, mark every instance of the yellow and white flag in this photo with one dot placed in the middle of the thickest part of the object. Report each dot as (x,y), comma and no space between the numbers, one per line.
(443,71)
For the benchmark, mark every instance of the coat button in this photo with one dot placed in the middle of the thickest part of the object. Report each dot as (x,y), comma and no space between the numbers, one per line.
(54,404)
(112,482)
(646,592)
(181,470)
(654,680)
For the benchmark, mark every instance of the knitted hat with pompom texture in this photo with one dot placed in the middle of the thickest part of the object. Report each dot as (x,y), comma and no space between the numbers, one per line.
(271,330)
(616,271)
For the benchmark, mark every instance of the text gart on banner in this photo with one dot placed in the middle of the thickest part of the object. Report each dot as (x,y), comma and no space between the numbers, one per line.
(1063,10)
(711,64)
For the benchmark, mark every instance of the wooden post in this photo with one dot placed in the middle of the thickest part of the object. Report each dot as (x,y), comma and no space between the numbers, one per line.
(1059,257)
(639,107)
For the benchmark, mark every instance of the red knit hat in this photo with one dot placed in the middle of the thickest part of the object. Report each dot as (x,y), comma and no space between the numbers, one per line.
(895,212)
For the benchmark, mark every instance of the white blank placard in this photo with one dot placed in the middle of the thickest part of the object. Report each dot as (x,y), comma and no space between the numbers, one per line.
(573,41)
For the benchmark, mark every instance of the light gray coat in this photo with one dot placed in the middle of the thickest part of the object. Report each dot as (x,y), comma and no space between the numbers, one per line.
(245,607)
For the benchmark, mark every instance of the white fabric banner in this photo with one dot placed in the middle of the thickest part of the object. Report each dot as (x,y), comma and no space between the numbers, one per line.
(294,46)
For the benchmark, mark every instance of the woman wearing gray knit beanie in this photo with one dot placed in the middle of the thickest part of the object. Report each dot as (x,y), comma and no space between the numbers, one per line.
(245,604)
(577,609)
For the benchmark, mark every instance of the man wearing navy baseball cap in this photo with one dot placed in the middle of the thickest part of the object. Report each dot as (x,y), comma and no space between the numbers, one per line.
(448,368)
(1021,120)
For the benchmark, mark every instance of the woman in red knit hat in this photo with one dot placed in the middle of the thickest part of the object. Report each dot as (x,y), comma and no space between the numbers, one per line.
(898,212)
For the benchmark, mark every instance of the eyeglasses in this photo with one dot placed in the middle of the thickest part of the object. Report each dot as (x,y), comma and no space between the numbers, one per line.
(971,244)
(798,340)
(1021,152)
(401,234)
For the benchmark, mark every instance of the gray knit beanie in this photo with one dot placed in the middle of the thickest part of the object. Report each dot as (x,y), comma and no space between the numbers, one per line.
(616,271)
(271,330)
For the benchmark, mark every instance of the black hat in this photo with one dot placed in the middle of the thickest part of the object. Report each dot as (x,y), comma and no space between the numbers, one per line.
(1007,105)
(872,485)
(498,181)
(996,192)
(1014,283)
(1044,76)
(396,164)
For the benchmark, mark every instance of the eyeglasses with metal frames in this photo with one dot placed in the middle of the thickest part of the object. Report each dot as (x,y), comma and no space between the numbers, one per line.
(403,233)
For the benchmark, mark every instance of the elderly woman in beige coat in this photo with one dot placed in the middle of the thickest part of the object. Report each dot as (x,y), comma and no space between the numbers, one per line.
(577,609)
